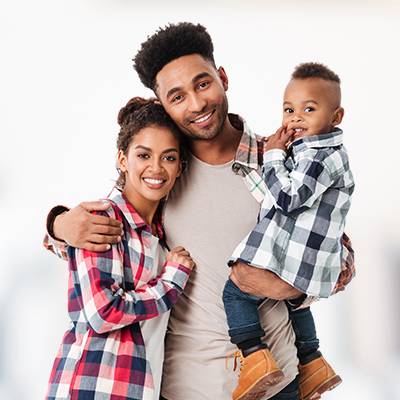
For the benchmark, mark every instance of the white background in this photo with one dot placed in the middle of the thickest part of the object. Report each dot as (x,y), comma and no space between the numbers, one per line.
(65,70)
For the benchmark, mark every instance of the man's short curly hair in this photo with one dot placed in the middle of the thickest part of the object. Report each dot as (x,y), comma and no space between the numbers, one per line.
(315,70)
(169,43)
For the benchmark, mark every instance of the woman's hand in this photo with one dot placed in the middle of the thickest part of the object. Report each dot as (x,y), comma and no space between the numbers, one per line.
(181,256)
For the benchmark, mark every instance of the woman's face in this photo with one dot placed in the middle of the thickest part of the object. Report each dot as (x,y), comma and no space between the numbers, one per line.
(151,165)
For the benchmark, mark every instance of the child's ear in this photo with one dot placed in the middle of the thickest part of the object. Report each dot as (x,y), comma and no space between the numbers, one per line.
(338,116)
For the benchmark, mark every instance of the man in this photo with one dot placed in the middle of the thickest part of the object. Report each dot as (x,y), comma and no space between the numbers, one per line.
(210,210)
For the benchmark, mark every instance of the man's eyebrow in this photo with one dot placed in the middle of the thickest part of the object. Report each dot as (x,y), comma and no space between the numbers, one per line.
(172,91)
(200,76)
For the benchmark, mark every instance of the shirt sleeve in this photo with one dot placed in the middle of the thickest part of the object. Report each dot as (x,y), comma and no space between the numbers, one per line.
(50,242)
(296,190)
(107,305)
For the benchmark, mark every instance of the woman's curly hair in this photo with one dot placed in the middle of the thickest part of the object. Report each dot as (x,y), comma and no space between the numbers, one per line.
(140,113)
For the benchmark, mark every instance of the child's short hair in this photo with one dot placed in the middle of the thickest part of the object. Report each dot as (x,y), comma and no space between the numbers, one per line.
(169,43)
(315,70)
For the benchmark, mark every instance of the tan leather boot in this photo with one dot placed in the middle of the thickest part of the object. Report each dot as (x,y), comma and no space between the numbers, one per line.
(315,378)
(257,371)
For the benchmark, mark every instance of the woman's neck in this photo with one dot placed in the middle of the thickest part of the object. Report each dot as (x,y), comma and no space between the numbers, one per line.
(144,207)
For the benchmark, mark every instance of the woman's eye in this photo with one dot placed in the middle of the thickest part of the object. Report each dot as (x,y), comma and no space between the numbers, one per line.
(309,109)
(143,156)
(170,158)
(288,110)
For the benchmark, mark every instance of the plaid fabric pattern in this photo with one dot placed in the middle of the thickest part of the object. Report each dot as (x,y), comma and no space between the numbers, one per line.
(299,232)
(102,355)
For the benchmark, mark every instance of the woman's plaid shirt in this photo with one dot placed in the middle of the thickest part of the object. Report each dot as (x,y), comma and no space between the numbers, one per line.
(102,355)
(248,163)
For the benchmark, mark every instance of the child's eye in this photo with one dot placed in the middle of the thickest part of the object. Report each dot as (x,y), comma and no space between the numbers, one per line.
(144,156)
(309,109)
(288,110)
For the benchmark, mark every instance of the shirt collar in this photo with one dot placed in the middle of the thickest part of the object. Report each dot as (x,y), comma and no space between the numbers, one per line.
(132,216)
(331,139)
(250,147)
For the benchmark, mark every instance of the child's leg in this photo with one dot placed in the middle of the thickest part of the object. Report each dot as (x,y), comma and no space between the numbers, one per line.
(307,342)
(243,319)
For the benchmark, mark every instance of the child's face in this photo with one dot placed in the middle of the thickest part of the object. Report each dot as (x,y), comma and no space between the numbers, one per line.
(151,165)
(311,106)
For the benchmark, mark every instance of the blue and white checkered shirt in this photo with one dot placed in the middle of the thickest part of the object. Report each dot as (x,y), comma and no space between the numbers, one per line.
(301,222)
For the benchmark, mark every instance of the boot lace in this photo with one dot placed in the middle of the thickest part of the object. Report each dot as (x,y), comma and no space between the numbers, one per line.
(238,356)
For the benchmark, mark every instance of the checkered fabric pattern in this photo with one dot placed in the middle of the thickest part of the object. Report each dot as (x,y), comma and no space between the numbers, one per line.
(300,227)
(102,355)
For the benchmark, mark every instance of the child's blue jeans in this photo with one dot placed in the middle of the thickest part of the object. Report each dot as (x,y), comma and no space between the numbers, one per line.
(244,321)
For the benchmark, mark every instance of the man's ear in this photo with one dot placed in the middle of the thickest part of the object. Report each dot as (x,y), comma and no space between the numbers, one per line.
(338,116)
(223,77)
(121,161)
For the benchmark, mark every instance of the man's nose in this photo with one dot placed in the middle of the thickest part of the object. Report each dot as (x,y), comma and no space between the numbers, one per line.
(196,103)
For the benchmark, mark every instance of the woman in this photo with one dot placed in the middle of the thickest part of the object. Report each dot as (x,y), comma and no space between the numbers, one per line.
(109,353)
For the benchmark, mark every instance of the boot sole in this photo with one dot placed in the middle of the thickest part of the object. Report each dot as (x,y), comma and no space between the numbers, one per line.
(324,387)
(261,386)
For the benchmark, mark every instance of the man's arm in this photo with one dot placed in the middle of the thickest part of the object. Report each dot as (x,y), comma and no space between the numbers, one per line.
(262,283)
(81,229)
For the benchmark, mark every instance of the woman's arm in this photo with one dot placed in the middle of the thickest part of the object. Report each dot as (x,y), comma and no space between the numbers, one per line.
(107,306)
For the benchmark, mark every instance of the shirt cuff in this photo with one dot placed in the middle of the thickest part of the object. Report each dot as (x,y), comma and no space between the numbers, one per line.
(274,155)
(51,217)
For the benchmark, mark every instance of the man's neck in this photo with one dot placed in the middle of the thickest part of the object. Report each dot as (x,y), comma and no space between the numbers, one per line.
(219,150)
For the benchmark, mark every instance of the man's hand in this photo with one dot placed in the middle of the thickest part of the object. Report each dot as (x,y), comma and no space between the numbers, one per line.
(262,283)
(81,229)
(279,139)
(180,255)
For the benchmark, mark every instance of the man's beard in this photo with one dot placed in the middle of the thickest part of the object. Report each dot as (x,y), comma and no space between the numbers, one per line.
(220,113)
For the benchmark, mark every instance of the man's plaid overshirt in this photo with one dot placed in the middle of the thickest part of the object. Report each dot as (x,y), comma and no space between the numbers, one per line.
(103,354)
(281,204)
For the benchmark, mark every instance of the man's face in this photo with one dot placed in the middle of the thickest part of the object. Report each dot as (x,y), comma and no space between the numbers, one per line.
(311,106)
(192,92)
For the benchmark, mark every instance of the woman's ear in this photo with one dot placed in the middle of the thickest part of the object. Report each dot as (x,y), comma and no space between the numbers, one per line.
(121,161)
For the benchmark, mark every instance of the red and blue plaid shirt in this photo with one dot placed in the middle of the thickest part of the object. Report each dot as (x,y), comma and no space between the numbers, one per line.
(102,355)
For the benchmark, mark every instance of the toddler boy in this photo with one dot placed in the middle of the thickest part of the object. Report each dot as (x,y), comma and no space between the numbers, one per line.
(299,228)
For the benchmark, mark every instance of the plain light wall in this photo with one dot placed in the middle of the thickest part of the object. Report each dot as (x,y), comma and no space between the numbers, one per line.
(66,70)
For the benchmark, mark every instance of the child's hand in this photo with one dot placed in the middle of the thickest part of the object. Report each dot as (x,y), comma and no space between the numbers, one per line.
(279,139)
(181,256)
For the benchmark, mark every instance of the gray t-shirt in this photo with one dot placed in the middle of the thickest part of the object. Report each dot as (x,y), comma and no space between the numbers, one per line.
(209,212)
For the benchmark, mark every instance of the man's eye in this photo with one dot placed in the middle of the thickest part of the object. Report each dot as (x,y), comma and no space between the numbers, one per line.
(309,109)
(203,85)
(143,156)
(288,110)
(177,98)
